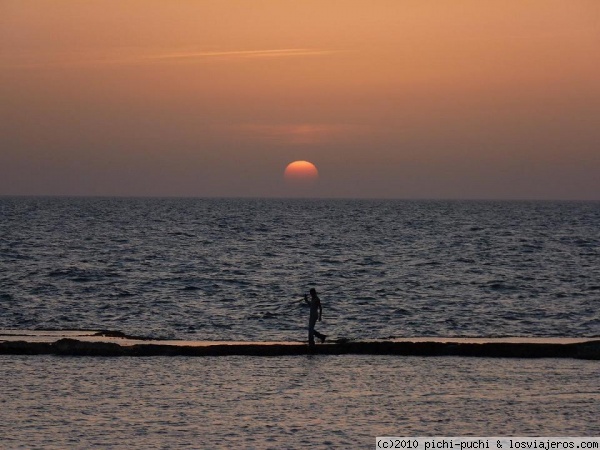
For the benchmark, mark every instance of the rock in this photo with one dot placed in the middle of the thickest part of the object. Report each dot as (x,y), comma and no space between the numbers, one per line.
(111,333)
(74,347)
(25,348)
(589,350)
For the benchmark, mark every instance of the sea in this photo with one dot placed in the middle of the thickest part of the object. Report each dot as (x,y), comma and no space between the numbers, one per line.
(237,270)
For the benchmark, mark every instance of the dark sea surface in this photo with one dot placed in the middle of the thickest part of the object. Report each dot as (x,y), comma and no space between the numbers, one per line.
(199,269)
(235,269)
(316,402)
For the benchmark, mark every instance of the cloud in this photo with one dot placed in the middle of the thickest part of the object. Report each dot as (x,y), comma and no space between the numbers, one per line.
(273,53)
(297,134)
(80,60)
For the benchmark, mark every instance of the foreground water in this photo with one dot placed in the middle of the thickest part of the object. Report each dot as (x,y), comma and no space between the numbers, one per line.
(235,269)
(288,402)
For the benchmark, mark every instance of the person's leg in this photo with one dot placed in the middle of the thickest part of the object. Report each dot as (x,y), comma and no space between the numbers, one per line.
(311,333)
(319,335)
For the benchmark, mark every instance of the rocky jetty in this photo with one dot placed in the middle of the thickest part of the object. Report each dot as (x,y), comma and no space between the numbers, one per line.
(73,347)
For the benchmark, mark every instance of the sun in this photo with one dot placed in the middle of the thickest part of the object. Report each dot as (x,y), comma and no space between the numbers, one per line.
(301,172)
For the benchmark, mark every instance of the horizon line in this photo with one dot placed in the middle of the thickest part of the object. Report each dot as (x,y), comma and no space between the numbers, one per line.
(217,197)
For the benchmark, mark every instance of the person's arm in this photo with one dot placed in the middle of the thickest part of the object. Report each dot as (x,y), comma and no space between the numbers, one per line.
(306,299)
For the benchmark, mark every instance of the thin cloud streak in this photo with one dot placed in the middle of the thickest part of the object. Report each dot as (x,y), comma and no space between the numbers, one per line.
(300,133)
(285,52)
(179,56)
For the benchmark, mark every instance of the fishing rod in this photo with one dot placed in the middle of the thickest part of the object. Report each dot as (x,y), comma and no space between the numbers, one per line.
(305,295)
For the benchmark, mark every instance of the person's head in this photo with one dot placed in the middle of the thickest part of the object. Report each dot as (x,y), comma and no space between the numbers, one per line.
(313,292)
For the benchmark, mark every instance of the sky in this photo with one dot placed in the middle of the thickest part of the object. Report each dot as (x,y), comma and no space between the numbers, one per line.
(409,99)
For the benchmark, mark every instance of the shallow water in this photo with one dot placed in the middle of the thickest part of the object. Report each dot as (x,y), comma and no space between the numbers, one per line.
(235,269)
(288,402)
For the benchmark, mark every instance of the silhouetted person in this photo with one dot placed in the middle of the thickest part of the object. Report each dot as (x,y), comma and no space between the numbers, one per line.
(315,314)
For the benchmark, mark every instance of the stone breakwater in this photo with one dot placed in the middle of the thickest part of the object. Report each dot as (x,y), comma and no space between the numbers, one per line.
(73,347)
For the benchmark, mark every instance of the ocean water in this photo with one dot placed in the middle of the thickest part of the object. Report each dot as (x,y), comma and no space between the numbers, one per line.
(200,269)
(235,269)
(338,402)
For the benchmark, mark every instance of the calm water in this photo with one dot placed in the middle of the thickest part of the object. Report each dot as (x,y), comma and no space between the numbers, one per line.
(235,269)
(288,402)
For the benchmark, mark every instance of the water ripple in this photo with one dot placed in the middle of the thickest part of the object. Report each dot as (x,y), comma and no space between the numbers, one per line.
(236,269)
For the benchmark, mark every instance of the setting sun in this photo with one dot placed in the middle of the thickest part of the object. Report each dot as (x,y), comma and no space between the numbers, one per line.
(301,171)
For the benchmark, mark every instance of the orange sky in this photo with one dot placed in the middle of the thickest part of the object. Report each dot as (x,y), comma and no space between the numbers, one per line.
(389,98)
